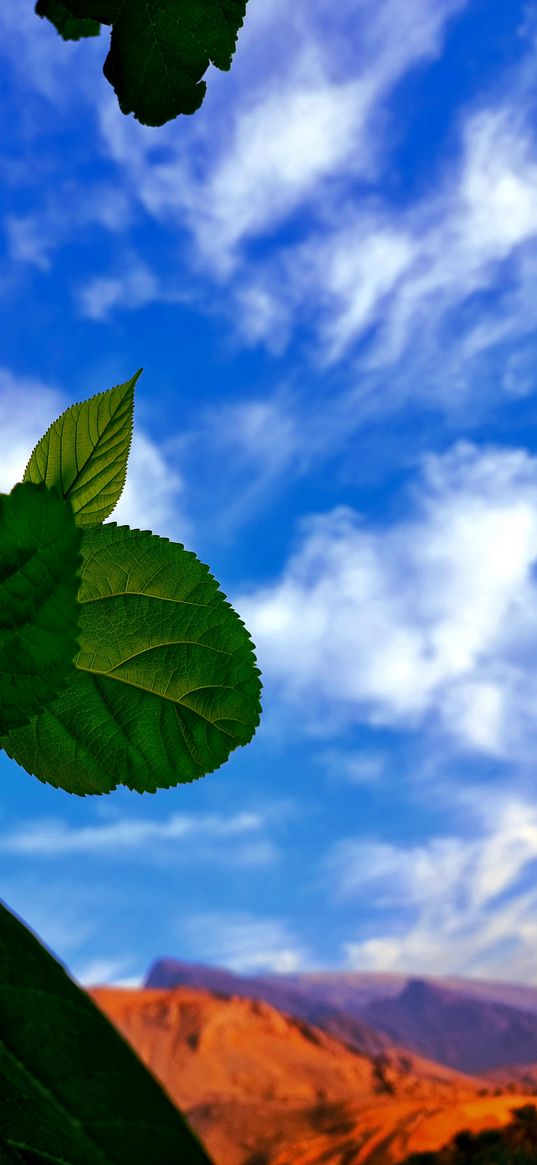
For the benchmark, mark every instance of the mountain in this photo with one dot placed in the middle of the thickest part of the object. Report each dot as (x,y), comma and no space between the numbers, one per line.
(515,1077)
(464,1024)
(470,1035)
(171,973)
(348,991)
(264,1087)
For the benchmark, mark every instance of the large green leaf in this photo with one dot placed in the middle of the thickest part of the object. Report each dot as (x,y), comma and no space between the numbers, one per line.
(72,1090)
(69,26)
(39,578)
(160,49)
(85,452)
(167,685)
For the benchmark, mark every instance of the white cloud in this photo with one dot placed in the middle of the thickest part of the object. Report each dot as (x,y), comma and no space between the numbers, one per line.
(152,495)
(243,943)
(27,406)
(53,837)
(101,972)
(136,981)
(498,187)
(295,120)
(286,138)
(451,905)
(32,238)
(405,271)
(361,270)
(282,150)
(283,138)
(430,620)
(463,235)
(354,268)
(27,242)
(35,52)
(260,317)
(353,768)
(135,287)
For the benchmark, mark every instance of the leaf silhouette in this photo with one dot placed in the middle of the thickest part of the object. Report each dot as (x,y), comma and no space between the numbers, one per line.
(160,49)
(71,1088)
(85,452)
(165,685)
(39,611)
(69,26)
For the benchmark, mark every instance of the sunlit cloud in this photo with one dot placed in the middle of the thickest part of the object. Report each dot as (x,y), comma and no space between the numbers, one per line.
(428,622)
(464,905)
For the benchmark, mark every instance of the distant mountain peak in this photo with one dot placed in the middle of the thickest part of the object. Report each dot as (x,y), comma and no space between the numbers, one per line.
(418,993)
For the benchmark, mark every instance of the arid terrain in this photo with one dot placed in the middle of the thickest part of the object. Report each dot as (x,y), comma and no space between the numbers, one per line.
(262,1086)
(473,1026)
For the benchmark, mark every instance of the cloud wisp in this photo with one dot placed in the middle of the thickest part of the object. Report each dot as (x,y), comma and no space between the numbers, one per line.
(301,102)
(180,836)
(243,942)
(448,905)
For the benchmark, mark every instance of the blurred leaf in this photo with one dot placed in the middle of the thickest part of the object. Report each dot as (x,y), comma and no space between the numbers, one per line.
(69,27)
(168,685)
(39,611)
(160,49)
(72,1090)
(85,452)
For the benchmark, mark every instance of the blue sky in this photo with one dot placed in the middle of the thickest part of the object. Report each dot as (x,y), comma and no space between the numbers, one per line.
(329,276)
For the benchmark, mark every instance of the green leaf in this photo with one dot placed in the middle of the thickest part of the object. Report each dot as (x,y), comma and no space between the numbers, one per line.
(39,564)
(85,452)
(72,1090)
(160,49)
(167,685)
(69,27)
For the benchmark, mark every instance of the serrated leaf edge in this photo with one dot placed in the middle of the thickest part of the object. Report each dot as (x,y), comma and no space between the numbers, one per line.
(77,404)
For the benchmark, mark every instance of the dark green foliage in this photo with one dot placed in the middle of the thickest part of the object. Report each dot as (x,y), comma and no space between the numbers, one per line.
(39,613)
(72,1091)
(159,49)
(168,684)
(165,684)
(70,27)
